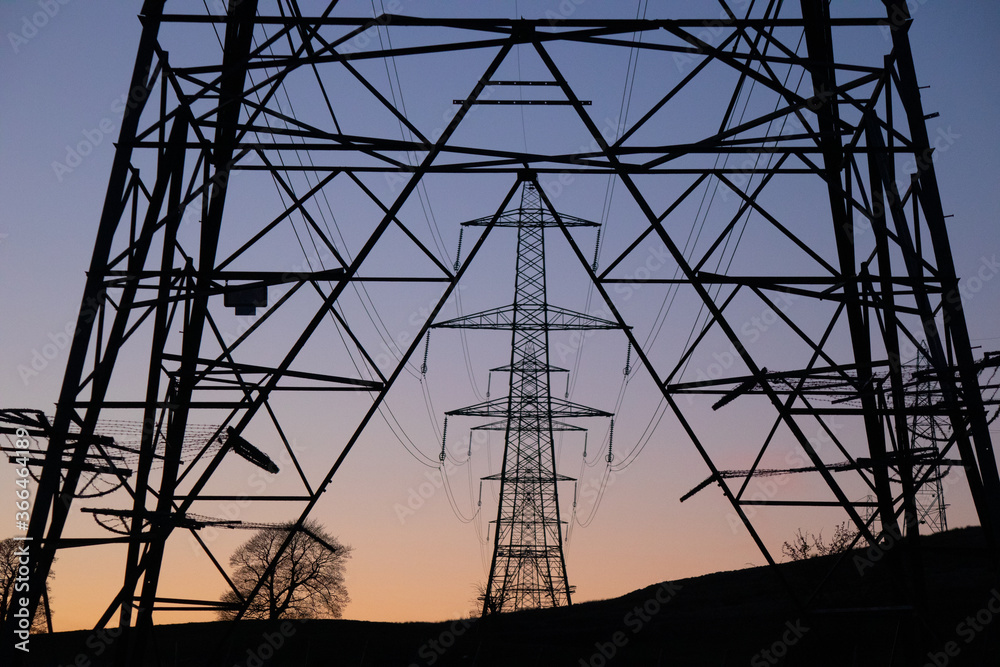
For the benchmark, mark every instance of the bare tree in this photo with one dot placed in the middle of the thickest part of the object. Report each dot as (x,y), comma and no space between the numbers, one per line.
(806,545)
(496,601)
(308,581)
(477,602)
(10,561)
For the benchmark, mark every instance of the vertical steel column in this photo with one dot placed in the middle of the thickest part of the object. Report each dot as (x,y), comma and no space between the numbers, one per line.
(54,494)
(238,41)
(951,306)
(820,48)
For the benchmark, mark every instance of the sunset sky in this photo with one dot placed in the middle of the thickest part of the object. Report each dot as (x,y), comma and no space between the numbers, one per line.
(414,559)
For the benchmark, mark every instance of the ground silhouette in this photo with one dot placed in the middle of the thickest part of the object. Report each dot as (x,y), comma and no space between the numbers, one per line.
(728,618)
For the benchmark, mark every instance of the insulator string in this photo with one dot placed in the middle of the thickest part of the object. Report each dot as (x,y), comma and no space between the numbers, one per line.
(427,346)
(611,441)
(628,359)
(444,437)
(597,247)
(458,254)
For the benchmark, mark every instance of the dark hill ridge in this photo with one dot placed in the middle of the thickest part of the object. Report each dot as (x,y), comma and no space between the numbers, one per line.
(741,617)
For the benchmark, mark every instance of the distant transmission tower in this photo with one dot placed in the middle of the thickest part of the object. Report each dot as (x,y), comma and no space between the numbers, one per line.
(929,433)
(528,568)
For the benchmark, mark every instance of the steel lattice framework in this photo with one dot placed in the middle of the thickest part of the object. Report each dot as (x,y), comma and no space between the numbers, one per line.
(768,102)
(528,569)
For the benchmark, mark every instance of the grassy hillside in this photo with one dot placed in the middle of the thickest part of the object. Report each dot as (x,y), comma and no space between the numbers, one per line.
(729,618)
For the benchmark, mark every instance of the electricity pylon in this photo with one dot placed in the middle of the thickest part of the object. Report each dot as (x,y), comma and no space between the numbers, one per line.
(930,434)
(224,153)
(528,567)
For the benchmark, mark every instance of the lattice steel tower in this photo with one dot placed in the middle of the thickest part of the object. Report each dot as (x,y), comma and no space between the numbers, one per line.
(809,123)
(528,568)
(930,434)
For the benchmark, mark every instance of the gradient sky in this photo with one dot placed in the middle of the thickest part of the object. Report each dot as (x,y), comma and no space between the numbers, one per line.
(413,559)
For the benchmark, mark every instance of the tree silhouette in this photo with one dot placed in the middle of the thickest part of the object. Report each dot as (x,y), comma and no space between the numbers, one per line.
(9,564)
(806,545)
(308,581)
